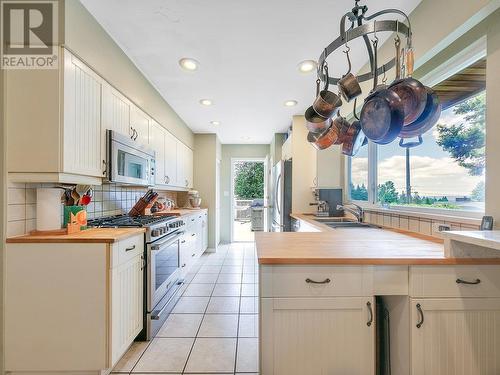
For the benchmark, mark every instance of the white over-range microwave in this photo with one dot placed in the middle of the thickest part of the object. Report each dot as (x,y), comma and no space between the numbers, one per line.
(129,162)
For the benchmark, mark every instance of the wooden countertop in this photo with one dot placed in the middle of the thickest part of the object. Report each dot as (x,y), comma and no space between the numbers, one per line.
(369,246)
(92,235)
(183,211)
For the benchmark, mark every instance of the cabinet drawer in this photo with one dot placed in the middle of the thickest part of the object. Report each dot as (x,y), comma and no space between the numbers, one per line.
(314,281)
(127,249)
(455,281)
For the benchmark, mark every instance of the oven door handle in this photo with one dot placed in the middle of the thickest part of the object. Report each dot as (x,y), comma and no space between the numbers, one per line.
(159,245)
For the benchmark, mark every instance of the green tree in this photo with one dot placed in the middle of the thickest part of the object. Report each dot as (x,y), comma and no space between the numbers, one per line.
(466,142)
(387,192)
(249,180)
(478,192)
(359,193)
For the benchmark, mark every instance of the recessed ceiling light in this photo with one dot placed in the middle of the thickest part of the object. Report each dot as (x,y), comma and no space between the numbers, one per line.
(290,103)
(307,66)
(245,138)
(188,64)
(215,122)
(206,102)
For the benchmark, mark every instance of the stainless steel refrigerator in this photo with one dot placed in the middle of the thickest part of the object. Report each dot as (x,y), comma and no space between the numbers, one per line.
(282,196)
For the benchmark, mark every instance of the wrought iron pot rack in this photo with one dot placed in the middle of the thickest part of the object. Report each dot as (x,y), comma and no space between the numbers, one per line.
(359,29)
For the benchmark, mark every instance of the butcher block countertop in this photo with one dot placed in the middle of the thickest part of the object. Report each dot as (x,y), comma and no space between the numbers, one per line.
(368,246)
(92,235)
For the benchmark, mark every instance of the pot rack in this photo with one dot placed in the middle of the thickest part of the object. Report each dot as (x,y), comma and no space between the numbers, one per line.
(359,29)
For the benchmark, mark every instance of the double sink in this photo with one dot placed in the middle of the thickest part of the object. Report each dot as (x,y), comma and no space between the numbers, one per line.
(343,222)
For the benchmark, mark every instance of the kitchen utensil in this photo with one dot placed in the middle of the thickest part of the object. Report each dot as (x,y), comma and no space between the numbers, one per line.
(412,93)
(427,119)
(327,102)
(85,200)
(348,85)
(353,138)
(326,139)
(382,115)
(146,200)
(316,123)
(76,197)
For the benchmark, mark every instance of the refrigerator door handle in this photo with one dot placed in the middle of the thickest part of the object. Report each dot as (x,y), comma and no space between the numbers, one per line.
(276,194)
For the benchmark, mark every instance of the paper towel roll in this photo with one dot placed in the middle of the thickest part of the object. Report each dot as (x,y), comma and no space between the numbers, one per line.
(48,208)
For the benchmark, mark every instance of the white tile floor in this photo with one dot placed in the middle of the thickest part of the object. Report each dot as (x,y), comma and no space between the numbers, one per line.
(213,329)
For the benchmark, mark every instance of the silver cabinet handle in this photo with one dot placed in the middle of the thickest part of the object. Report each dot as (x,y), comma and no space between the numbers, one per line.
(167,179)
(193,254)
(370,310)
(183,241)
(105,168)
(475,282)
(143,265)
(325,281)
(130,248)
(421,313)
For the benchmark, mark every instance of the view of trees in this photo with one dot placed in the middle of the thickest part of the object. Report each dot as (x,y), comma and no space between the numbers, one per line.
(249,180)
(466,142)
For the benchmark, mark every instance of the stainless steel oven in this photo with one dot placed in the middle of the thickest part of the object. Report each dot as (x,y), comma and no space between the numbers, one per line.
(163,279)
(129,162)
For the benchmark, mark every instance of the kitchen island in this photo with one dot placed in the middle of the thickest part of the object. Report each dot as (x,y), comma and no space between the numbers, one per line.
(320,293)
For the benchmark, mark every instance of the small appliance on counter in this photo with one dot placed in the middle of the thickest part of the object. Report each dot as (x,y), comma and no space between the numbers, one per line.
(322,210)
(194,198)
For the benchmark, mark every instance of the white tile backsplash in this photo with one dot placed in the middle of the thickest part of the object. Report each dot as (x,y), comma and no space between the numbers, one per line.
(108,199)
(412,223)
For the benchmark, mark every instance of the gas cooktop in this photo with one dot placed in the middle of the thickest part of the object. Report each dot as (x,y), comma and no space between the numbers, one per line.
(128,221)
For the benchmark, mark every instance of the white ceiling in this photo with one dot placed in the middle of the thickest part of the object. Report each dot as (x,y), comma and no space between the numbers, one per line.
(248,53)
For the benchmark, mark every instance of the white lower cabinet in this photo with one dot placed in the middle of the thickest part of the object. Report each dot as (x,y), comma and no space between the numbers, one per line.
(204,226)
(455,336)
(192,241)
(317,336)
(74,307)
(126,305)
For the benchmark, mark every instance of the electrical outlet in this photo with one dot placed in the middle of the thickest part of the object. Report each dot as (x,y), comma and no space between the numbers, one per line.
(440,227)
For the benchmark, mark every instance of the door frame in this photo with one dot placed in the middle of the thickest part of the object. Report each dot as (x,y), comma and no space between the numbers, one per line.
(263,160)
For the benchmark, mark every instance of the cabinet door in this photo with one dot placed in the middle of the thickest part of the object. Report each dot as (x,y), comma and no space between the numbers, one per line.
(204,226)
(317,336)
(456,336)
(115,111)
(157,142)
(126,305)
(188,165)
(181,163)
(82,119)
(170,159)
(139,125)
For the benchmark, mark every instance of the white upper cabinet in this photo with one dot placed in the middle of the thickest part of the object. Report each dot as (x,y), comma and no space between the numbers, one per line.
(184,166)
(170,161)
(157,142)
(139,125)
(82,119)
(115,111)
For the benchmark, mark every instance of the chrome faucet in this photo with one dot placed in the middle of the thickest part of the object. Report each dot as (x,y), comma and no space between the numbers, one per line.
(357,211)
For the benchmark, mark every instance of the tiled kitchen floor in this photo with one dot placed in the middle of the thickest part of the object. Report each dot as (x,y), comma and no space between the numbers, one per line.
(213,329)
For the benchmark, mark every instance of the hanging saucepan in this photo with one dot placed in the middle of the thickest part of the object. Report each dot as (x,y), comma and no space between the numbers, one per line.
(314,122)
(412,92)
(427,119)
(341,123)
(326,102)
(326,139)
(353,137)
(348,84)
(382,114)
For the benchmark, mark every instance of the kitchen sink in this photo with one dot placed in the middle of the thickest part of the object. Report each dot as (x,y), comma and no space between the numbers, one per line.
(349,224)
(325,220)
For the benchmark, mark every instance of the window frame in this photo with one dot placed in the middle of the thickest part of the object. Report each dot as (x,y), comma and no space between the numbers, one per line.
(458,62)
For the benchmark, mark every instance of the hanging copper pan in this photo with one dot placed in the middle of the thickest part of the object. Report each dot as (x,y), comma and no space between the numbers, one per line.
(426,120)
(327,102)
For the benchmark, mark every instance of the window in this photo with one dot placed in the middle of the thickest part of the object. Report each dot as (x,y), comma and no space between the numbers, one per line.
(358,168)
(447,170)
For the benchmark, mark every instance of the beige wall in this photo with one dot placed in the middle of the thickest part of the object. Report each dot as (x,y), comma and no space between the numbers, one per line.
(87,39)
(228,152)
(206,148)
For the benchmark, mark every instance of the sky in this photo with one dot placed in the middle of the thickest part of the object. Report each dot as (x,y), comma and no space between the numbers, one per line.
(433,171)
